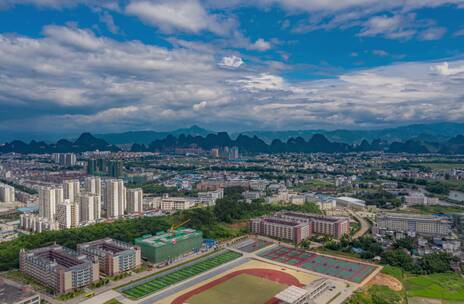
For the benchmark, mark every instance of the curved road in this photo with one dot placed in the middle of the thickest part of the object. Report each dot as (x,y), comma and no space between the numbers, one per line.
(364,224)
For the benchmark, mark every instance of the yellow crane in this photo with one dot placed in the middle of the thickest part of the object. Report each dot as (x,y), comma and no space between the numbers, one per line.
(173,228)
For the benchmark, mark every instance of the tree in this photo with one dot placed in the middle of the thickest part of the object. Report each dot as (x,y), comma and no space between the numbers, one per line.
(400,258)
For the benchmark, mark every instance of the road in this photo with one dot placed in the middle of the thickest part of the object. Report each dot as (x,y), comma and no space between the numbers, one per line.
(362,221)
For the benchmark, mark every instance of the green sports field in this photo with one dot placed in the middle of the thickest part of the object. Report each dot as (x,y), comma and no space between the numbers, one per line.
(160,282)
(232,291)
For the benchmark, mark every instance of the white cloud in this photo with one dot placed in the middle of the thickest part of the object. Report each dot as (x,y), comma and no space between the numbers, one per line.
(459,33)
(76,80)
(446,70)
(183,15)
(433,33)
(58,4)
(79,38)
(231,61)
(261,45)
(107,19)
(393,27)
(262,82)
(380,53)
(200,106)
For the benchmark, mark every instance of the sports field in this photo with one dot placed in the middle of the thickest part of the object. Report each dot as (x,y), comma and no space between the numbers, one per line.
(160,282)
(248,286)
(232,291)
(252,245)
(347,270)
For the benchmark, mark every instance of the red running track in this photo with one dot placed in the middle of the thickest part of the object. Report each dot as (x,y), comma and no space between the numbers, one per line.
(270,274)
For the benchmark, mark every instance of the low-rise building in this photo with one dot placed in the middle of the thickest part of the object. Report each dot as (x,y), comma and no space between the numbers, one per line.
(350,202)
(418,198)
(427,225)
(165,246)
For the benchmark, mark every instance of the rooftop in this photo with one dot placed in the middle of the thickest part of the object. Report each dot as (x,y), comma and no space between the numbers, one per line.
(291,294)
(161,238)
(11,292)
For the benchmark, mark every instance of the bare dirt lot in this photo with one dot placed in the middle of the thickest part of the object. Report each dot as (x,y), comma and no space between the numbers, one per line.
(386,280)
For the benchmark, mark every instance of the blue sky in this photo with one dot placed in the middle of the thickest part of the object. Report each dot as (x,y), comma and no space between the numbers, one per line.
(98,65)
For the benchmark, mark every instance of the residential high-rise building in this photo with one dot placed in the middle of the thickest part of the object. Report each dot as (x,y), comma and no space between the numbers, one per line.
(7,193)
(67,214)
(49,197)
(65,159)
(91,166)
(90,208)
(93,185)
(215,152)
(234,153)
(115,198)
(71,189)
(134,201)
(115,168)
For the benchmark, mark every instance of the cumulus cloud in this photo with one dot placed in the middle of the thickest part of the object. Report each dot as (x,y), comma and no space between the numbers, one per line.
(446,70)
(183,15)
(261,45)
(231,61)
(77,80)
(200,106)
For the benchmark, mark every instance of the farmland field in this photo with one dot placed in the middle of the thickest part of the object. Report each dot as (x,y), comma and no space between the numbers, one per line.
(161,282)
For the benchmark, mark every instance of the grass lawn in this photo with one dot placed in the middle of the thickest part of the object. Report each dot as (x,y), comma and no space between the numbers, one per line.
(376,294)
(446,286)
(395,272)
(242,289)
(112,301)
(164,281)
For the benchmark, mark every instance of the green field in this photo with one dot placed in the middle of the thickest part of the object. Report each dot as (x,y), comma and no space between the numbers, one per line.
(232,291)
(433,209)
(439,165)
(445,286)
(182,274)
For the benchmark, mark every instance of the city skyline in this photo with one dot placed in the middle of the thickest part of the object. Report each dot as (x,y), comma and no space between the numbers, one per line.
(113,66)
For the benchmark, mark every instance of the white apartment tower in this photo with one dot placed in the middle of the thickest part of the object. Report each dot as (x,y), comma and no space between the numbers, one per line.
(134,201)
(67,214)
(7,193)
(115,198)
(71,189)
(90,208)
(49,197)
(93,185)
